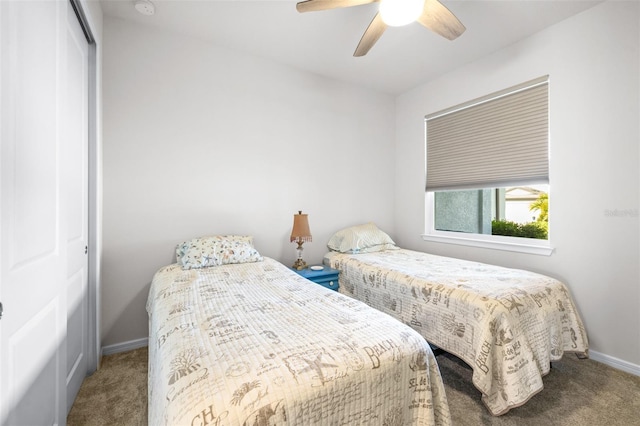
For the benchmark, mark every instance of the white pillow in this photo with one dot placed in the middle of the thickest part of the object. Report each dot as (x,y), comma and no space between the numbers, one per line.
(365,238)
(216,250)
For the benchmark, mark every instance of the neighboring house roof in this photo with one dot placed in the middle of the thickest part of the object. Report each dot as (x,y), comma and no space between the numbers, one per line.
(522,193)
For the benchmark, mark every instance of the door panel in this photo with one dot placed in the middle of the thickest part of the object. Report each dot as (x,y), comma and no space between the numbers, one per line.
(34,319)
(33,109)
(75,209)
(33,372)
(76,321)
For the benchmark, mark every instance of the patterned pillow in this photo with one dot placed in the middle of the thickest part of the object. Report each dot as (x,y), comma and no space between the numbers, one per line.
(365,238)
(216,250)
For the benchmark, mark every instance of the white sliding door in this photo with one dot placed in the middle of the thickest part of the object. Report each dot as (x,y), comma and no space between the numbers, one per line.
(74,162)
(43,216)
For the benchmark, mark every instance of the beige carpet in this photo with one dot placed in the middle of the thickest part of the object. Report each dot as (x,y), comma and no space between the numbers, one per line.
(116,394)
(577,392)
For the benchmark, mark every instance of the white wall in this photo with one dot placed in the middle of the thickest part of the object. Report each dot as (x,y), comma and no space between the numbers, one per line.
(199,140)
(593,63)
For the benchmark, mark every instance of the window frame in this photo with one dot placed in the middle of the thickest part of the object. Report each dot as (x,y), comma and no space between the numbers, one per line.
(495,242)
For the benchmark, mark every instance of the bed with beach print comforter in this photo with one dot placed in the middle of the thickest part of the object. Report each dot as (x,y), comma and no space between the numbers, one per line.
(506,324)
(257,344)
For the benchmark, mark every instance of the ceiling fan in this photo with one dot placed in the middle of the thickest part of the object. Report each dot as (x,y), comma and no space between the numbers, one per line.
(430,13)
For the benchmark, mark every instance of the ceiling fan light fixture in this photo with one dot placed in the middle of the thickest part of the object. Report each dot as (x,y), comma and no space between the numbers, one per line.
(396,13)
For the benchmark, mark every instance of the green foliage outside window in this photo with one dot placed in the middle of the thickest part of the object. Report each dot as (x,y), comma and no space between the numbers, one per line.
(542,204)
(539,229)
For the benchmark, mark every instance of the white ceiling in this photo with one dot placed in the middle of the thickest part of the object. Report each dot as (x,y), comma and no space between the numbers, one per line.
(323,42)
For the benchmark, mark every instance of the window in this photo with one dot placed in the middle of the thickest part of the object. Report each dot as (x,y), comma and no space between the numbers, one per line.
(488,171)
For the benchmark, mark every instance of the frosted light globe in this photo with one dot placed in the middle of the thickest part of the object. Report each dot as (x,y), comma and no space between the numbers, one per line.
(396,13)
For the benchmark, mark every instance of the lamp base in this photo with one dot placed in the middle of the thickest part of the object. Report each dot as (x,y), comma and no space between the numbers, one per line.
(300,264)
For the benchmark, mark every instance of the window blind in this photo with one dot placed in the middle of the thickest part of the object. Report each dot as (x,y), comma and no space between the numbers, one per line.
(498,140)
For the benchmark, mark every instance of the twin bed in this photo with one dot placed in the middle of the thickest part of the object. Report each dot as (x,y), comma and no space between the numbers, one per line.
(506,324)
(238,338)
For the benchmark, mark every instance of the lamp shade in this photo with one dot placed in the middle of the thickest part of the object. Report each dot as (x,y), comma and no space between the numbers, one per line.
(300,231)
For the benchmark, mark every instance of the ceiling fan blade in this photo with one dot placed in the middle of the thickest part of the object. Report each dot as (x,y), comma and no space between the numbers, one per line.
(315,5)
(440,20)
(371,35)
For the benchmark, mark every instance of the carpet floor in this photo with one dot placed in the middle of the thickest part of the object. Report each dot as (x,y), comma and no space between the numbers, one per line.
(577,392)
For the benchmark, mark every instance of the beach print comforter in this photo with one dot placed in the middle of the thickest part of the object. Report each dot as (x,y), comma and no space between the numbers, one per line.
(507,324)
(257,344)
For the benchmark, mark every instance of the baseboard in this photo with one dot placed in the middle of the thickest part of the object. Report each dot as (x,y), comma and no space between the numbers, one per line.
(125,346)
(615,363)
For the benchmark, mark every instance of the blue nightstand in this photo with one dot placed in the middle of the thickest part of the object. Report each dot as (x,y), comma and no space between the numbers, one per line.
(327,277)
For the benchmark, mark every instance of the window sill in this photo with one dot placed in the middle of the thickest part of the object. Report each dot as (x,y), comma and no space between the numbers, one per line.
(495,243)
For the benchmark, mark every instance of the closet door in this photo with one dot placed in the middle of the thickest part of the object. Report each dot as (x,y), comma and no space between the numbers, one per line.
(41,227)
(74,156)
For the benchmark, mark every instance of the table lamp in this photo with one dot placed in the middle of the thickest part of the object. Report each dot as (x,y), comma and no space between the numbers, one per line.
(300,233)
